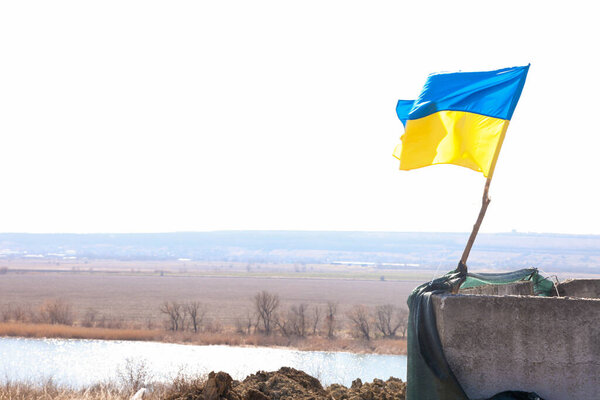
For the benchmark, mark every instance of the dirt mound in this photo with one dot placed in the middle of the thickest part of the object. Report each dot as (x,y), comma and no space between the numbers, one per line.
(289,384)
(392,389)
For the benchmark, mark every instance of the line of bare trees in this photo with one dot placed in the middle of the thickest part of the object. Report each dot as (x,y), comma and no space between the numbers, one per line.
(184,316)
(266,316)
(51,311)
(58,312)
(386,321)
(300,320)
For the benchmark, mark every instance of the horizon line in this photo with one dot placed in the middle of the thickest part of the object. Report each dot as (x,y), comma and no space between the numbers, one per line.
(512,232)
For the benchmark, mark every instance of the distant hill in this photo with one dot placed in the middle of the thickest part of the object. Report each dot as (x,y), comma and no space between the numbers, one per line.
(428,250)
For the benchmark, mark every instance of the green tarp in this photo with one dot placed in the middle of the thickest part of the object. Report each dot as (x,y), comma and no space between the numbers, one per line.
(429,376)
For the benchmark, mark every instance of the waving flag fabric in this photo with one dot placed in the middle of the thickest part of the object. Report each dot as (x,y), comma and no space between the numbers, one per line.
(460,118)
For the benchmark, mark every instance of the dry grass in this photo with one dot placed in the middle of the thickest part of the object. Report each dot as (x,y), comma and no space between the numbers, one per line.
(378,346)
(76,332)
(135,377)
(49,391)
(111,391)
(310,343)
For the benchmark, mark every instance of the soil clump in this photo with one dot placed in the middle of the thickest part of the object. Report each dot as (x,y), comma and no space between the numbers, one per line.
(288,384)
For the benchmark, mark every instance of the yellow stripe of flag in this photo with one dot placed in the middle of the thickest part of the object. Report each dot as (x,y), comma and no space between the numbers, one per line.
(451,137)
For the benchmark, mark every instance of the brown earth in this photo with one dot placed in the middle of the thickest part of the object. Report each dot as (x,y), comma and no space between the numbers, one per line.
(287,384)
(137,298)
(125,299)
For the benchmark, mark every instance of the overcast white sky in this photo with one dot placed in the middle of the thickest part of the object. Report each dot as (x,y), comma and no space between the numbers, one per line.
(146,116)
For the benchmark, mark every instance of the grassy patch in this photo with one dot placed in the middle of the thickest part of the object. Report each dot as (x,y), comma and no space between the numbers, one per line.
(310,343)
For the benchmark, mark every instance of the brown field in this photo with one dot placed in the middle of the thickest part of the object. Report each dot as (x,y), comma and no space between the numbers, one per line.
(137,297)
(130,296)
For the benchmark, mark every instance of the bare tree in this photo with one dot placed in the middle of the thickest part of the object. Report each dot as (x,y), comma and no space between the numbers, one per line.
(167,309)
(331,322)
(239,326)
(196,311)
(294,322)
(316,318)
(403,320)
(284,324)
(245,323)
(149,324)
(361,322)
(56,311)
(266,305)
(5,314)
(213,326)
(18,313)
(299,320)
(90,318)
(175,314)
(389,319)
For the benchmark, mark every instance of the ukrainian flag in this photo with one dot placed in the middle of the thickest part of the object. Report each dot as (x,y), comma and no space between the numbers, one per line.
(460,118)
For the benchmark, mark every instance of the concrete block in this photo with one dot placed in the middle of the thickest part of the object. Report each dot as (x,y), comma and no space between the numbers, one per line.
(584,288)
(547,345)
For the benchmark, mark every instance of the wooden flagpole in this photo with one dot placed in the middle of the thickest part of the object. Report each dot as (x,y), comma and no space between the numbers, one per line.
(485,201)
(484,205)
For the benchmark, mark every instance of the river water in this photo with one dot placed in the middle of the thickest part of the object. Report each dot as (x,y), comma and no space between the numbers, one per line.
(80,363)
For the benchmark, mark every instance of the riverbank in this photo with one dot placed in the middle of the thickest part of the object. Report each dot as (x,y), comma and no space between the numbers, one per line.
(310,343)
(286,383)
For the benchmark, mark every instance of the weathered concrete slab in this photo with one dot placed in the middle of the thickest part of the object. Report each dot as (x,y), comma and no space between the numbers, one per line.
(585,288)
(524,288)
(549,345)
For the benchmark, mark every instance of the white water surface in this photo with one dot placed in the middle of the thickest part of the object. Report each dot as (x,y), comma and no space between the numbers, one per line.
(79,363)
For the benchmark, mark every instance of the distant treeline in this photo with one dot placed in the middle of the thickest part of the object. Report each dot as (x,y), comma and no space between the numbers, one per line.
(574,252)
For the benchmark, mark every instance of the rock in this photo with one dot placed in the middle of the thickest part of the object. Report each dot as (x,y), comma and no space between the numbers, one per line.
(356,384)
(253,394)
(338,392)
(217,386)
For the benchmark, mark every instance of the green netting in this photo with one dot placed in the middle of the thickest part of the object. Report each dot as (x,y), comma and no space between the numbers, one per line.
(541,285)
(429,376)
